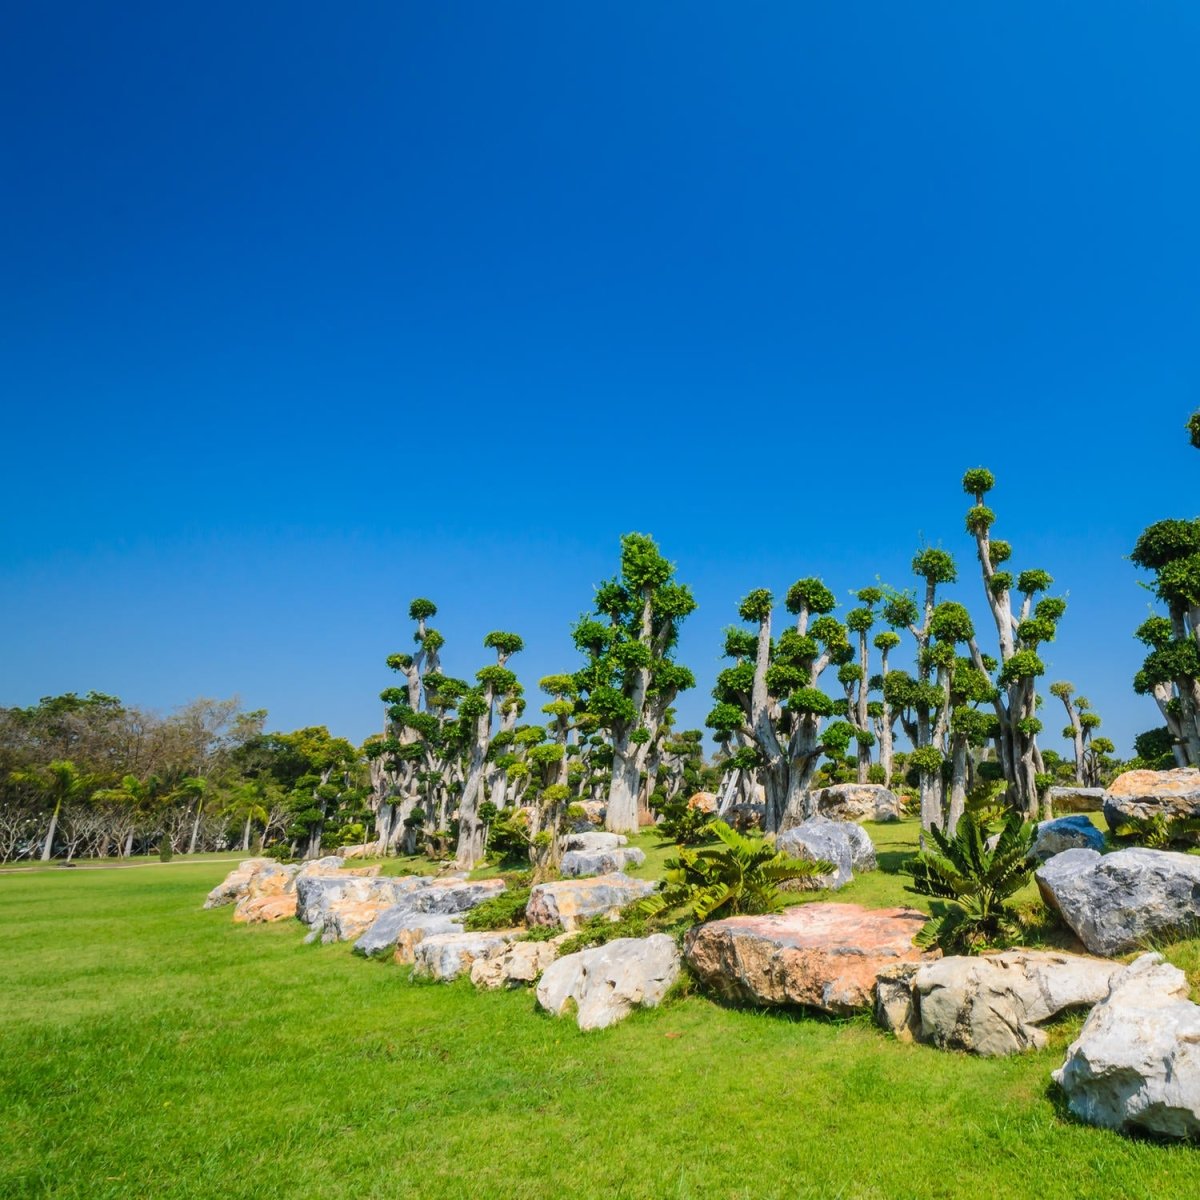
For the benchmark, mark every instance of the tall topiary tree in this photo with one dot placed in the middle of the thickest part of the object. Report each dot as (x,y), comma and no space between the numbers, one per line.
(631,678)
(1019,632)
(771,695)
(477,711)
(856,678)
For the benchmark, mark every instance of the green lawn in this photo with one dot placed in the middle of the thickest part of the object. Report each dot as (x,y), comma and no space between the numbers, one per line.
(149,1049)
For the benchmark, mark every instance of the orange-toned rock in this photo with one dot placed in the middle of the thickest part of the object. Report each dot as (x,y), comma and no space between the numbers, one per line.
(1144,794)
(823,956)
(260,909)
(704,801)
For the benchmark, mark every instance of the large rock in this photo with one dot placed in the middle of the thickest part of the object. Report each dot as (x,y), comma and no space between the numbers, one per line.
(453,895)
(517,965)
(1065,833)
(1145,794)
(258,910)
(446,956)
(341,908)
(823,956)
(399,928)
(593,842)
(1135,1066)
(234,885)
(990,1005)
(704,802)
(857,802)
(576,863)
(1113,902)
(820,839)
(570,902)
(607,982)
(1071,799)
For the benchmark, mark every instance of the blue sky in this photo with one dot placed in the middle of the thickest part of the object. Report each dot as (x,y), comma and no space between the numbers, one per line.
(304,313)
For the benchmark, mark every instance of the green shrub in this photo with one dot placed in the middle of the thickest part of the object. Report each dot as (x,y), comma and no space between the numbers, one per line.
(540,933)
(164,849)
(508,837)
(633,922)
(973,883)
(505,911)
(683,824)
(741,875)
(1158,832)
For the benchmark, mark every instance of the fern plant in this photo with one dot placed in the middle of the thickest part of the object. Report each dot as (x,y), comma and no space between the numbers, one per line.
(973,883)
(1158,832)
(740,876)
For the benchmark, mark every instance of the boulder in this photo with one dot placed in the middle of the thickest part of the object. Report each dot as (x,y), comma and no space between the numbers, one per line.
(704,802)
(453,895)
(271,880)
(445,956)
(595,811)
(607,982)
(570,902)
(856,802)
(362,850)
(600,862)
(234,885)
(820,839)
(1143,794)
(263,909)
(341,907)
(517,965)
(1135,1066)
(823,956)
(1075,799)
(745,817)
(592,843)
(1065,833)
(398,929)
(992,1004)
(1113,902)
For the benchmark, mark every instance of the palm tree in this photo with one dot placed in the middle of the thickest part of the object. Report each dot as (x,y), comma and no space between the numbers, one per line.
(138,795)
(246,803)
(60,780)
(192,789)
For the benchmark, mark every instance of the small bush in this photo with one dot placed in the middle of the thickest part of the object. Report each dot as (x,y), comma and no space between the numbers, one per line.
(164,849)
(540,933)
(500,912)
(683,824)
(634,922)
(1158,832)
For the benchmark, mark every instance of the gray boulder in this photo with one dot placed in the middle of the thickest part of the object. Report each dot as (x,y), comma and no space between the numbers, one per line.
(402,923)
(822,839)
(1135,1066)
(989,1005)
(570,902)
(609,981)
(1065,833)
(592,841)
(857,802)
(235,885)
(576,863)
(1072,799)
(454,895)
(318,895)
(446,956)
(1113,902)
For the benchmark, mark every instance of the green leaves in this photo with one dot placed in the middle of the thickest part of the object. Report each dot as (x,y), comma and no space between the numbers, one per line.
(934,566)
(810,595)
(756,606)
(1164,542)
(977,482)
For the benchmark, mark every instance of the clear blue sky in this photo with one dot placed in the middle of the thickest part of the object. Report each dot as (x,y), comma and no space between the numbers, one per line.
(307,310)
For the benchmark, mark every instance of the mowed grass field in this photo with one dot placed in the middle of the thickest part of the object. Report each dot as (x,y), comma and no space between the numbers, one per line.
(148,1048)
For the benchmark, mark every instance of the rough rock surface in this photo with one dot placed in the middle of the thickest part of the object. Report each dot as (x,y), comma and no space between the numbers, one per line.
(576,863)
(1113,902)
(592,842)
(821,839)
(399,923)
(857,802)
(1143,794)
(1136,1063)
(320,895)
(259,910)
(595,811)
(823,956)
(570,902)
(1065,833)
(445,956)
(608,982)
(1072,799)
(517,965)
(705,802)
(453,895)
(993,1004)
(234,885)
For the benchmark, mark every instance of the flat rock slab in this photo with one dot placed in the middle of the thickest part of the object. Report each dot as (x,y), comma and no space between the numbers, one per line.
(592,842)
(1113,902)
(578,863)
(570,902)
(823,956)
(992,1004)
(398,928)
(1144,794)
(607,982)
(1135,1066)
(1076,799)
(1065,833)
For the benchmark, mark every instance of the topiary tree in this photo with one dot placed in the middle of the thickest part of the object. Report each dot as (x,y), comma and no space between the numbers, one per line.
(477,711)
(856,679)
(631,678)
(771,695)
(1171,671)
(1019,634)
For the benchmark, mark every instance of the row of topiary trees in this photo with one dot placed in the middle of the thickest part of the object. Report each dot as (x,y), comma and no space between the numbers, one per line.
(797,696)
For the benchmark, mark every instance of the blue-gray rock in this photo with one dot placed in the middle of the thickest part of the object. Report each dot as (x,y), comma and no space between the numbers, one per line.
(1065,833)
(822,839)
(576,863)
(454,896)
(1114,902)
(391,926)
(446,956)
